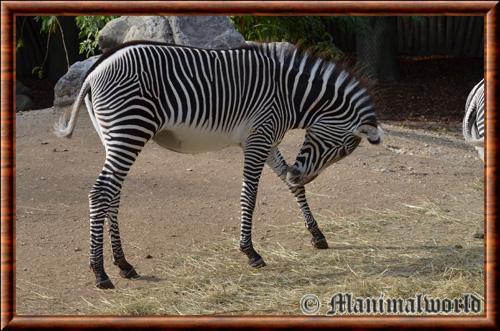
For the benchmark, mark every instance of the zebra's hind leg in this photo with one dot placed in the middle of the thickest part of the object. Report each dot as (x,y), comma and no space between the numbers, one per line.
(99,202)
(278,164)
(126,269)
(104,199)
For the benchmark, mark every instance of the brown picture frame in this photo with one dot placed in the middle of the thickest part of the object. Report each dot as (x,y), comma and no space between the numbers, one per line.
(11,9)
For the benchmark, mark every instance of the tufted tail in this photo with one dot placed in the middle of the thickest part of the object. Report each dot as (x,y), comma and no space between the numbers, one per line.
(67,121)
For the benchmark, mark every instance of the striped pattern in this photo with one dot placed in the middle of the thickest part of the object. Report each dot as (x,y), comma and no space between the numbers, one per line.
(473,123)
(191,100)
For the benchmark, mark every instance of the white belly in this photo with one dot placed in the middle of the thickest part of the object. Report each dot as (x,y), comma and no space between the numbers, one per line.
(193,141)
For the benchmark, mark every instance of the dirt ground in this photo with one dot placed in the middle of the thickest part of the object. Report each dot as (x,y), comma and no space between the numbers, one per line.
(173,204)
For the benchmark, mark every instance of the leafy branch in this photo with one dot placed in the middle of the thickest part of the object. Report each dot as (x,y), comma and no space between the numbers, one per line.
(49,24)
(89,27)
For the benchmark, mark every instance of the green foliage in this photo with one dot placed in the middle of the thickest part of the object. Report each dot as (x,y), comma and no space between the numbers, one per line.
(308,31)
(48,23)
(38,72)
(89,27)
(19,44)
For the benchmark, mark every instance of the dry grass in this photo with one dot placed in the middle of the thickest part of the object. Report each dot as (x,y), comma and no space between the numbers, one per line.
(478,184)
(398,253)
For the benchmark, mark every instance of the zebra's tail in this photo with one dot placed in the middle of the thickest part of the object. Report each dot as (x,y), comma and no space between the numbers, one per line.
(67,121)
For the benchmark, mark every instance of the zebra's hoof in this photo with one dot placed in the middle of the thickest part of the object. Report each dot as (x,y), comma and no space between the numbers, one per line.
(104,284)
(258,263)
(254,259)
(320,243)
(129,274)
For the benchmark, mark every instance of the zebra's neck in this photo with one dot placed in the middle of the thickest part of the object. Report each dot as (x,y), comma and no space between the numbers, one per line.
(309,97)
(311,87)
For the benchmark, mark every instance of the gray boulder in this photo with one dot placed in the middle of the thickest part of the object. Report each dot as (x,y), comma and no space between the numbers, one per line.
(68,86)
(24,96)
(22,89)
(23,102)
(154,28)
(128,28)
(114,32)
(205,31)
(197,31)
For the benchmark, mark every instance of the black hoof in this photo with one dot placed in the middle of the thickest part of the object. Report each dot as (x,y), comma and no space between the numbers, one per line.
(126,269)
(130,273)
(259,263)
(320,243)
(254,259)
(104,284)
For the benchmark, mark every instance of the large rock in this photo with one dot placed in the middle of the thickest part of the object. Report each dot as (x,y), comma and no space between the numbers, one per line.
(205,31)
(197,31)
(155,28)
(114,32)
(24,96)
(22,89)
(23,102)
(68,86)
(128,28)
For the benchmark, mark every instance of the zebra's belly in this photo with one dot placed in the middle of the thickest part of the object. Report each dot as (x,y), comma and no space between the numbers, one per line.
(193,141)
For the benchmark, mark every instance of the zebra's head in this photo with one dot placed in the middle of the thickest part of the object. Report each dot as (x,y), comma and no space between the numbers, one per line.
(329,101)
(328,141)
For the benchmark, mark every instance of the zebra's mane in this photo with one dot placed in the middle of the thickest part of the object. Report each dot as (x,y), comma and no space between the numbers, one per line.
(309,62)
(320,67)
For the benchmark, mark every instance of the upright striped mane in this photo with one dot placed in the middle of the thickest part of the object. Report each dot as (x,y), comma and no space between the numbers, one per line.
(303,61)
(314,67)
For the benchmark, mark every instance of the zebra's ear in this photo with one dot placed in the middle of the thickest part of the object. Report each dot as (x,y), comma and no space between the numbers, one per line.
(373,134)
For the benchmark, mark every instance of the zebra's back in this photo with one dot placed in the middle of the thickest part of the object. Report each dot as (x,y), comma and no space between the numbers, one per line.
(219,92)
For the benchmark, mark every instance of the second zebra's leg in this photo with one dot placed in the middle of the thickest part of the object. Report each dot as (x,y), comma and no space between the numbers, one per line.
(256,151)
(278,164)
(126,270)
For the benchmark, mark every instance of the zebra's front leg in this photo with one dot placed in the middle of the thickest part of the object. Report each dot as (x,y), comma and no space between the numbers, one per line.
(126,269)
(256,151)
(318,240)
(278,164)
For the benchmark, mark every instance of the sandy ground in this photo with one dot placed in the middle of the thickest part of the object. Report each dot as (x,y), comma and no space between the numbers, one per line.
(173,202)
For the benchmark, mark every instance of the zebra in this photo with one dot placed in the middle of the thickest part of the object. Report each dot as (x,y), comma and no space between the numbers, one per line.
(192,100)
(473,122)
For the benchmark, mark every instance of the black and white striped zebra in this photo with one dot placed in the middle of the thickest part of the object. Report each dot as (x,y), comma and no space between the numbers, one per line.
(473,123)
(192,100)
